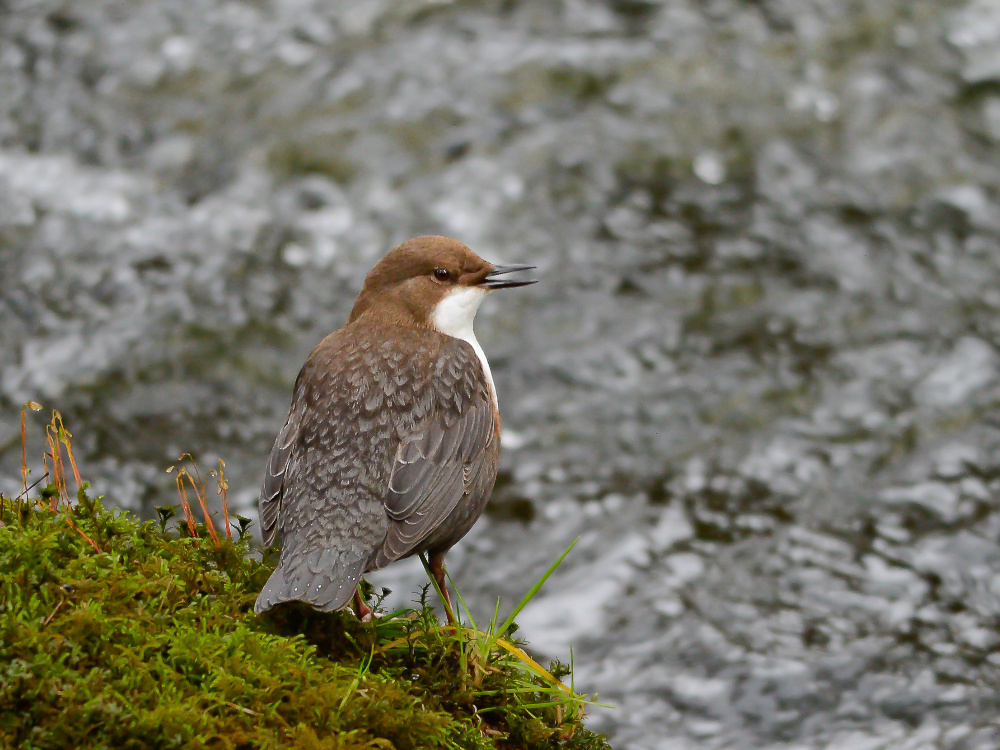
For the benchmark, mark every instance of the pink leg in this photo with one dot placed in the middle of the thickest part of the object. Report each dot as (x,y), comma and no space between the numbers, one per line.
(362,610)
(436,562)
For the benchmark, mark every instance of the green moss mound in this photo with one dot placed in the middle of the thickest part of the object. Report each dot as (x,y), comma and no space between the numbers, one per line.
(118,634)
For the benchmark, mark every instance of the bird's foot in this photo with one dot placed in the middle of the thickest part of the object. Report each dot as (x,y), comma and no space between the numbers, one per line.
(362,610)
(436,563)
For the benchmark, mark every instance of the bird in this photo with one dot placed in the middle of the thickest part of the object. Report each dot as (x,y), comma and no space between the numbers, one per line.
(392,440)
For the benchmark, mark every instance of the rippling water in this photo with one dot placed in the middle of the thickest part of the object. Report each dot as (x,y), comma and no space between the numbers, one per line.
(760,379)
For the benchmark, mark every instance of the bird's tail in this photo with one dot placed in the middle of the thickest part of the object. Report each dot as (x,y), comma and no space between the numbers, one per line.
(321,579)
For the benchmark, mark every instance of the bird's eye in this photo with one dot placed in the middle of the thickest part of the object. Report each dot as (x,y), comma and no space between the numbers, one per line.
(441,274)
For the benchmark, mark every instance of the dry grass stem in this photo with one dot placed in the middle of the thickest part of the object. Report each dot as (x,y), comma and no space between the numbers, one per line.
(34,406)
(53,613)
(223,489)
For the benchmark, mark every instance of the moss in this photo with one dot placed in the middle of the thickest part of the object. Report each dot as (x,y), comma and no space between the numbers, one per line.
(151,642)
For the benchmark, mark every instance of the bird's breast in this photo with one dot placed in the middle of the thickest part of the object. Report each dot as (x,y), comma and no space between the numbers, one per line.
(454,316)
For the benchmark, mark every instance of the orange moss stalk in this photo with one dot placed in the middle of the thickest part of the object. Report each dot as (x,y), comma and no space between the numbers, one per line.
(185,503)
(57,436)
(69,519)
(200,494)
(65,437)
(58,471)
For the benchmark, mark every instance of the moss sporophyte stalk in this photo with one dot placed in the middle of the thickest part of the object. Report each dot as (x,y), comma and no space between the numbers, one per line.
(122,633)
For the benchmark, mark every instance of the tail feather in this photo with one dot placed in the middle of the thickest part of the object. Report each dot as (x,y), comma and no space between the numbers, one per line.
(325,587)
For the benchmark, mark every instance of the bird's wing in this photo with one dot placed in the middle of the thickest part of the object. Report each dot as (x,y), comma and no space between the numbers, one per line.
(436,464)
(274,477)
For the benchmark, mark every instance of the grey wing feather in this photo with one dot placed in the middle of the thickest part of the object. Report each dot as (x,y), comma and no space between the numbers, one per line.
(431,473)
(274,477)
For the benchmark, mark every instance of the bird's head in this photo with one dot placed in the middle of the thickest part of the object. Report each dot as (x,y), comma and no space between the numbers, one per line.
(433,281)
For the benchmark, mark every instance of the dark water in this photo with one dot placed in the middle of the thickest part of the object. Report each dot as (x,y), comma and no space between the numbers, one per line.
(760,379)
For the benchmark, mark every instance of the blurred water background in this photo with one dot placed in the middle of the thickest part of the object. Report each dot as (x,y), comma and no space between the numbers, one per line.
(760,378)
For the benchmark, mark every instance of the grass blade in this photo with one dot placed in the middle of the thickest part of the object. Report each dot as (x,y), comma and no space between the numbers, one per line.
(461,600)
(496,618)
(532,591)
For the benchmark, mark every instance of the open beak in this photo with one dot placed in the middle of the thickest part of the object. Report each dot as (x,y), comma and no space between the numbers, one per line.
(492,282)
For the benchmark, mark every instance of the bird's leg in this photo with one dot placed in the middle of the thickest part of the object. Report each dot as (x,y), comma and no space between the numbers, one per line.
(436,562)
(362,610)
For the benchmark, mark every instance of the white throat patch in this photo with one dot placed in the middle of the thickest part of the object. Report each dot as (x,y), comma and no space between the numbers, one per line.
(454,315)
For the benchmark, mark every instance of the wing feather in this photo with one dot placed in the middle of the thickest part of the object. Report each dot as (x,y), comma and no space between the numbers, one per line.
(434,468)
(274,478)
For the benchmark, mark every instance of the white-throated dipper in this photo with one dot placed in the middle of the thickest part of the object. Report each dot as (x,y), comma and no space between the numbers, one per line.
(392,441)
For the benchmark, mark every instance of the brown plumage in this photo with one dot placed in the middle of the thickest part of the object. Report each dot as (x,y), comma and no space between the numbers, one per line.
(392,441)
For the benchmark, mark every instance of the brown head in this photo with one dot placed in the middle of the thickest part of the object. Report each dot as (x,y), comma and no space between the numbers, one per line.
(431,281)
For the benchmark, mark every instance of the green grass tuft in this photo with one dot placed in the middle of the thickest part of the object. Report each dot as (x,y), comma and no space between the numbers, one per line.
(122,634)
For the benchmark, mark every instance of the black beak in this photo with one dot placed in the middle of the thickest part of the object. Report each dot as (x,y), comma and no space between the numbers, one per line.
(491,282)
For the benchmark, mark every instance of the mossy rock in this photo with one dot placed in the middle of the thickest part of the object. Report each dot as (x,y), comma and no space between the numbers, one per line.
(117,634)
